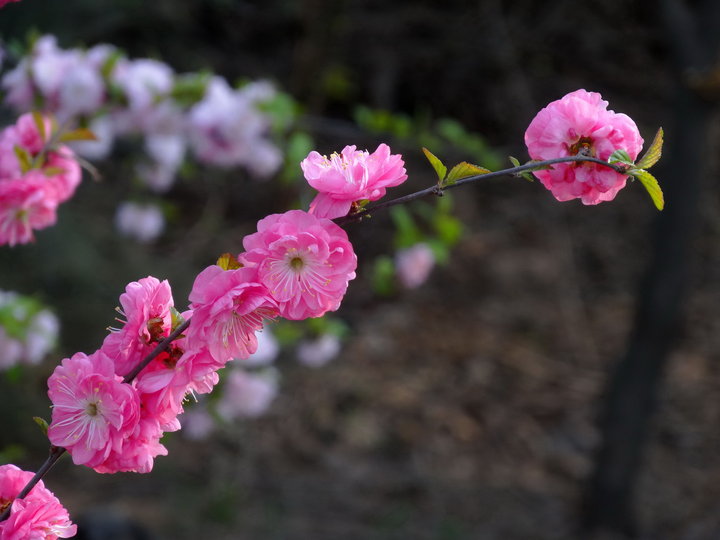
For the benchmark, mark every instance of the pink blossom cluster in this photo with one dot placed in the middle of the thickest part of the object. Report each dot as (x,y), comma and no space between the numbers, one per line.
(295,266)
(36,175)
(28,331)
(112,425)
(39,515)
(580,124)
(118,96)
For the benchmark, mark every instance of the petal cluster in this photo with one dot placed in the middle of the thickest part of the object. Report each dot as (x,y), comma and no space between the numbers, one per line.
(39,515)
(350,176)
(580,123)
(31,192)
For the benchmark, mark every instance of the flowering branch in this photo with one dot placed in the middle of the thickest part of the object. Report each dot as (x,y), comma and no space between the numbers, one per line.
(56,451)
(438,190)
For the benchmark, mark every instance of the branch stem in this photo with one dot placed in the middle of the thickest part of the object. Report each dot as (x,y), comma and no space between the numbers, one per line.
(437,190)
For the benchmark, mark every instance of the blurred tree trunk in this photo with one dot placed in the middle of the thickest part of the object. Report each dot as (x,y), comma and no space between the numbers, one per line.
(633,387)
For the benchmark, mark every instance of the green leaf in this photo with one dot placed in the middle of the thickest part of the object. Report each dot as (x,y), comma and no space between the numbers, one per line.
(79,134)
(40,123)
(383,279)
(653,153)
(651,185)
(42,423)
(514,161)
(407,233)
(621,156)
(176,319)
(24,158)
(464,170)
(449,229)
(438,165)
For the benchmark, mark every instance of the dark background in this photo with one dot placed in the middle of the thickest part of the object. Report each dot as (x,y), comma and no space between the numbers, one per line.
(512,395)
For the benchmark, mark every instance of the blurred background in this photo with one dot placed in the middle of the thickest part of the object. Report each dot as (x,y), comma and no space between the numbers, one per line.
(554,377)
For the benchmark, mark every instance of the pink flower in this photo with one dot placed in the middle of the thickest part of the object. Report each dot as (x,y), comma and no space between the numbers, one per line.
(93,410)
(229,306)
(305,262)
(351,176)
(580,123)
(414,264)
(138,451)
(26,203)
(38,516)
(5,2)
(146,305)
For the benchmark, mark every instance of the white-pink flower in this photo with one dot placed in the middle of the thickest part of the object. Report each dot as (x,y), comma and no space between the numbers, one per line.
(414,264)
(351,176)
(580,123)
(229,306)
(319,351)
(39,515)
(93,410)
(246,394)
(305,262)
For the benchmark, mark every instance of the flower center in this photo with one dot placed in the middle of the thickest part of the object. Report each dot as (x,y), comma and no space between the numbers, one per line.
(297,264)
(91,409)
(4,503)
(583,147)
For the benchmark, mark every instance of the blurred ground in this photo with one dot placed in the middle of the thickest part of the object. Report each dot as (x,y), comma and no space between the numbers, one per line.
(465,409)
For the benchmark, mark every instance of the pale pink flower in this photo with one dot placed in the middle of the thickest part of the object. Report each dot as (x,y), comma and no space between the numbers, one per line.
(93,410)
(267,350)
(143,222)
(246,394)
(146,306)
(414,264)
(19,86)
(305,262)
(319,351)
(11,350)
(229,306)
(197,424)
(351,176)
(41,336)
(104,131)
(226,128)
(40,515)
(143,81)
(580,123)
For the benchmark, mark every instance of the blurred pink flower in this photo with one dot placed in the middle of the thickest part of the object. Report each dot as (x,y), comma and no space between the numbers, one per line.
(143,222)
(305,262)
(26,203)
(246,394)
(38,516)
(318,352)
(229,306)
(351,176)
(580,123)
(414,264)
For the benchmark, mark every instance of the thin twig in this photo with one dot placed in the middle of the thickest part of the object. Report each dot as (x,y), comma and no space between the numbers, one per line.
(437,190)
